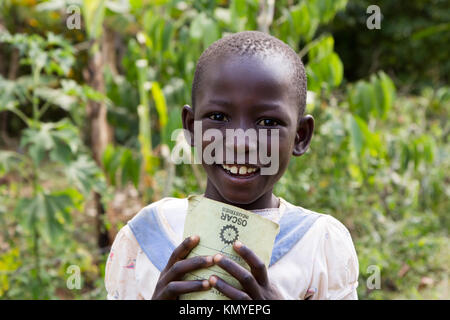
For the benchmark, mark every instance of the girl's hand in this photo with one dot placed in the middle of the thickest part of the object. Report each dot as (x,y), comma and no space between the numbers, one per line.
(170,284)
(255,284)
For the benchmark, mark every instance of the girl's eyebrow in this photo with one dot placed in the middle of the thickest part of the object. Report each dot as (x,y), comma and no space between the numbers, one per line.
(264,105)
(223,103)
(269,106)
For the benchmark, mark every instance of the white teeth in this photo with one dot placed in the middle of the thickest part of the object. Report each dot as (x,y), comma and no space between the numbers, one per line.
(241,170)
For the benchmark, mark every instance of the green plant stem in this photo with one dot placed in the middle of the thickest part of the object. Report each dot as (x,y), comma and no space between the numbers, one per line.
(308,47)
(35,100)
(21,115)
(37,263)
(36,253)
(43,109)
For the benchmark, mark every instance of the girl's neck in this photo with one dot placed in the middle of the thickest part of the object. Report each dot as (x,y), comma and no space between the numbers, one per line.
(267,200)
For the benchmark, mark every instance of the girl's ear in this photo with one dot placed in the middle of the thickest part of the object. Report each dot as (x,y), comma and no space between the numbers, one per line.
(303,135)
(187,117)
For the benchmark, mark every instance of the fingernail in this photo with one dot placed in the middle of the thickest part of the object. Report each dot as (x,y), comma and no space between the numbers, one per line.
(194,238)
(212,280)
(238,244)
(209,260)
(217,257)
(205,284)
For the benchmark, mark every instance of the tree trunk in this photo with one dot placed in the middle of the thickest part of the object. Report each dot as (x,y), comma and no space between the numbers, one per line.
(12,75)
(99,129)
(265,16)
(100,134)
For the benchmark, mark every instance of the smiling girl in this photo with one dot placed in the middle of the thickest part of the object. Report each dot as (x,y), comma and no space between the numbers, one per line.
(248,80)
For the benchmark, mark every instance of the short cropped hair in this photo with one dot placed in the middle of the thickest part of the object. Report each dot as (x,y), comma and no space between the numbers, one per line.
(253,43)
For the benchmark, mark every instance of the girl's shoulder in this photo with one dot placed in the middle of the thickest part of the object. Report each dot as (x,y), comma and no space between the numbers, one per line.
(330,225)
(334,266)
(165,204)
(324,224)
(166,209)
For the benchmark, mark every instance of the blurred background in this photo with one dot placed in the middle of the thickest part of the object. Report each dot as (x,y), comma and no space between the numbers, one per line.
(91,91)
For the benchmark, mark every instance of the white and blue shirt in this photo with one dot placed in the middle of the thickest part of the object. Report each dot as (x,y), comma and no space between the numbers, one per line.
(313,255)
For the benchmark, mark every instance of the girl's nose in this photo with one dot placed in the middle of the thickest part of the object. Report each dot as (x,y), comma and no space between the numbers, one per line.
(241,143)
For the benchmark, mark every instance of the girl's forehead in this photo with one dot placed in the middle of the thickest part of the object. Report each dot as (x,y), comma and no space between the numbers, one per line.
(252,77)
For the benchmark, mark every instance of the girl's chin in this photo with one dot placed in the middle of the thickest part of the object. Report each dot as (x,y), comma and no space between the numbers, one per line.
(240,202)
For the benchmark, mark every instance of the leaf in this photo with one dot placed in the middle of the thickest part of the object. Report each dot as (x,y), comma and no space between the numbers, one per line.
(211,32)
(49,211)
(431,30)
(61,153)
(110,162)
(367,99)
(362,99)
(314,83)
(59,206)
(160,103)
(405,156)
(68,133)
(94,13)
(60,139)
(203,27)
(238,8)
(388,90)
(381,104)
(223,15)
(25,211)
(301,20)
(38,142)
(174,123)
(196,27)
(56,96)
(356,135)
(53,227)
(130,168)
(336,69)
(9,161)
(118,7)
(85,175)
(136,4)
(8,93)
(321,48)
(327,9)
(60,60)
(325,66)
(120,160)
(167,35)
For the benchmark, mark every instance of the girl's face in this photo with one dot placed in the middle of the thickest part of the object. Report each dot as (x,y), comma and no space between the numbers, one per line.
(247,93)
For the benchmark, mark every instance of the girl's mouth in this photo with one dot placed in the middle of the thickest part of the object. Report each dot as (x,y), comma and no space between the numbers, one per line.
(240,170)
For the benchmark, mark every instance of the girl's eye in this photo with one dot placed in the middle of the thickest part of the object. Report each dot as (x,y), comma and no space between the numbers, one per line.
(218,117)
(268,123)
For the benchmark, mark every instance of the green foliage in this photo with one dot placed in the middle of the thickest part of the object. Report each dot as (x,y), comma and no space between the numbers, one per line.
(46,215)
(53,54)
(324,69)
(9,262)
(49,211)
(120,162)
(412,44)
(94,12)
(372,99)
(387,180)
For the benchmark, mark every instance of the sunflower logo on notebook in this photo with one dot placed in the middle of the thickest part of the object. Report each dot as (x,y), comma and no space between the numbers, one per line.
(229,234)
